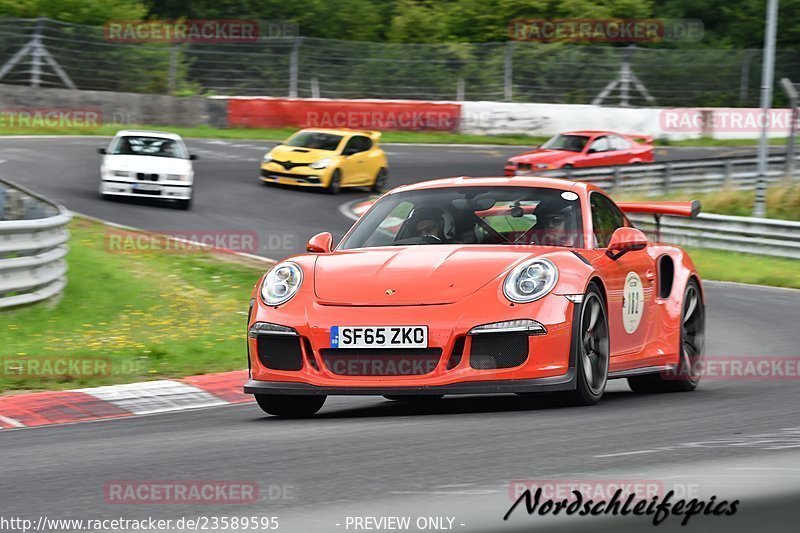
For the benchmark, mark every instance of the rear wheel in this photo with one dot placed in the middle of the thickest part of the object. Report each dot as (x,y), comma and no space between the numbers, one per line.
(591,352)
(380,181)
(335,185)
(290,406)
(686,376)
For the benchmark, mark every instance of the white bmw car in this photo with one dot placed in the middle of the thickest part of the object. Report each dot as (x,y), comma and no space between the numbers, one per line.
(149,164)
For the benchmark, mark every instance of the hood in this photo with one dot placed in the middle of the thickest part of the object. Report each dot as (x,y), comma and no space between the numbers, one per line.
(544,156)
(427,274)
(296,154)
(147,163)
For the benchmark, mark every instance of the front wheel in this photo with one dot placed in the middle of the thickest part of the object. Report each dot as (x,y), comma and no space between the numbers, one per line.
(686,376)
(335,185)
(290,406)
(380,181)
(590,351)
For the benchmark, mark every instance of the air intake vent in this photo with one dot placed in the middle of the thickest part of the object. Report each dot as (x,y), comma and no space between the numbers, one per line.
(278,352)
(498,350)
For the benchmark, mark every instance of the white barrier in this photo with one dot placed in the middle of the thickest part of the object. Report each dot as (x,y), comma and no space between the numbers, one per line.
(33,246)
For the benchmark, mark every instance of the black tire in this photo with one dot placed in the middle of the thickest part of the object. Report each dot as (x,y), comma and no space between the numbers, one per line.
(415,398)
(380,181)
(335,184)
(687,375)
(290,406)
(185,205)
(591,351)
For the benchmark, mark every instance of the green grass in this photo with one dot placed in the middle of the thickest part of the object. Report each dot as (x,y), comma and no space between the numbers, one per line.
(149,315)
(279,134)
(746,268)
(783,201)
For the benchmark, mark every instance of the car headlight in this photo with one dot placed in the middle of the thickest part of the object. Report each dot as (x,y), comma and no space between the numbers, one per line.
(266,159)
(281,283)
(322,163)
(530,281)
(178,177)
(121,173)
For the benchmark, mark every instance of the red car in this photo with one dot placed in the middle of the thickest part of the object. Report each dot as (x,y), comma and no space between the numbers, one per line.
(577,149)
(479,286)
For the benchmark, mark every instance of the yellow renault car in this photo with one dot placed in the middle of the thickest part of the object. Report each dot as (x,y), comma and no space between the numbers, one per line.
(328,159)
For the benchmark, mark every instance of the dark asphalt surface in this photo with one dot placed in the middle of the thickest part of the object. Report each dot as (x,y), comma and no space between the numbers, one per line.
(368,456)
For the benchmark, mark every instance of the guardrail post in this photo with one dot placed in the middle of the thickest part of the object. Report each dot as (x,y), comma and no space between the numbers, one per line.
(667,185)
(728,171)
(2,203)
(615,182)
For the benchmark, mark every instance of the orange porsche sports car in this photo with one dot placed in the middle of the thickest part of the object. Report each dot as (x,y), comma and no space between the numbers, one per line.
(479,286)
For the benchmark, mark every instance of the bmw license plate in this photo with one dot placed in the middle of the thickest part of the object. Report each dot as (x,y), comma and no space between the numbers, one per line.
(379,337)
(146,187)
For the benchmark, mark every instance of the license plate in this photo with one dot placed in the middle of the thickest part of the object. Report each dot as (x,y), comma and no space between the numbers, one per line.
(379,337)
(146,187)
(286,180)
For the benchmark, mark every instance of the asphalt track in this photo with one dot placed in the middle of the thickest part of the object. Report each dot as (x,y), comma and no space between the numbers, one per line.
(371,457)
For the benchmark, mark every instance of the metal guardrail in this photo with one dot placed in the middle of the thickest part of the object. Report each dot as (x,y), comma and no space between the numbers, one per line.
(763,236)
(33,246)
(700,175)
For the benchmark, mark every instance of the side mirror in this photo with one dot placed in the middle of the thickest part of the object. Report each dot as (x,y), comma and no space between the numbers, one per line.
(626,240)
(101,151)
(193,157)
(321,243)
(591,151)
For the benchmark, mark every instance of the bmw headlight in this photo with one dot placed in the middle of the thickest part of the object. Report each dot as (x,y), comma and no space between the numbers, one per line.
(322,163)
(281,283)
(121,173)
(530,280)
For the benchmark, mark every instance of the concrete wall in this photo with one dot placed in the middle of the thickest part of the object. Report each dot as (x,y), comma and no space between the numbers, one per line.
(113,108)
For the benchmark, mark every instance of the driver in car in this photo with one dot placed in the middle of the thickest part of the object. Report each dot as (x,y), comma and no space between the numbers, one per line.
(428,223)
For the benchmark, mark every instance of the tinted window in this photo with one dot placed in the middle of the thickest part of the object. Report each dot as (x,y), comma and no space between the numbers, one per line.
(570,143)
(358,144)
(606,218)
(316,140)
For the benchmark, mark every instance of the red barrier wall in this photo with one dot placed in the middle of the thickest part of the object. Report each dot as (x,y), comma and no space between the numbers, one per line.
(355,114)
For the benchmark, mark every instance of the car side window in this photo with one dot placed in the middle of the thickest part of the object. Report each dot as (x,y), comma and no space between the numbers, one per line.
(357,144)
(618,143)
(606,218)
(600,144)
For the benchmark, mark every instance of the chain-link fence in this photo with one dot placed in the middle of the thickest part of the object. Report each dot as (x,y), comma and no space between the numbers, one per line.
(47,53)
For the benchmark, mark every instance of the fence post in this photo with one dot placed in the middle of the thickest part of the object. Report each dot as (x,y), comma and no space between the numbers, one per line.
(508,72)
(314,87)
(294,66)
(667,185)
(744,81)
(2,203)
(460,89)
(36,53)
(616,179)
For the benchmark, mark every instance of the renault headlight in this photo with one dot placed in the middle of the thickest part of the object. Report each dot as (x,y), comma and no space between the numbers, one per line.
(530,280)
(281,283)
(322,163)
(267,158)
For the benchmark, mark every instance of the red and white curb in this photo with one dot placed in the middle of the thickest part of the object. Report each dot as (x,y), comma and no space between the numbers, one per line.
(117,401)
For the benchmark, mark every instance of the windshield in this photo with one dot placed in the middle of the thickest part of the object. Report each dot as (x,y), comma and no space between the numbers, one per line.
(153,146)
(316,140)
(471,215)
(569,143)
